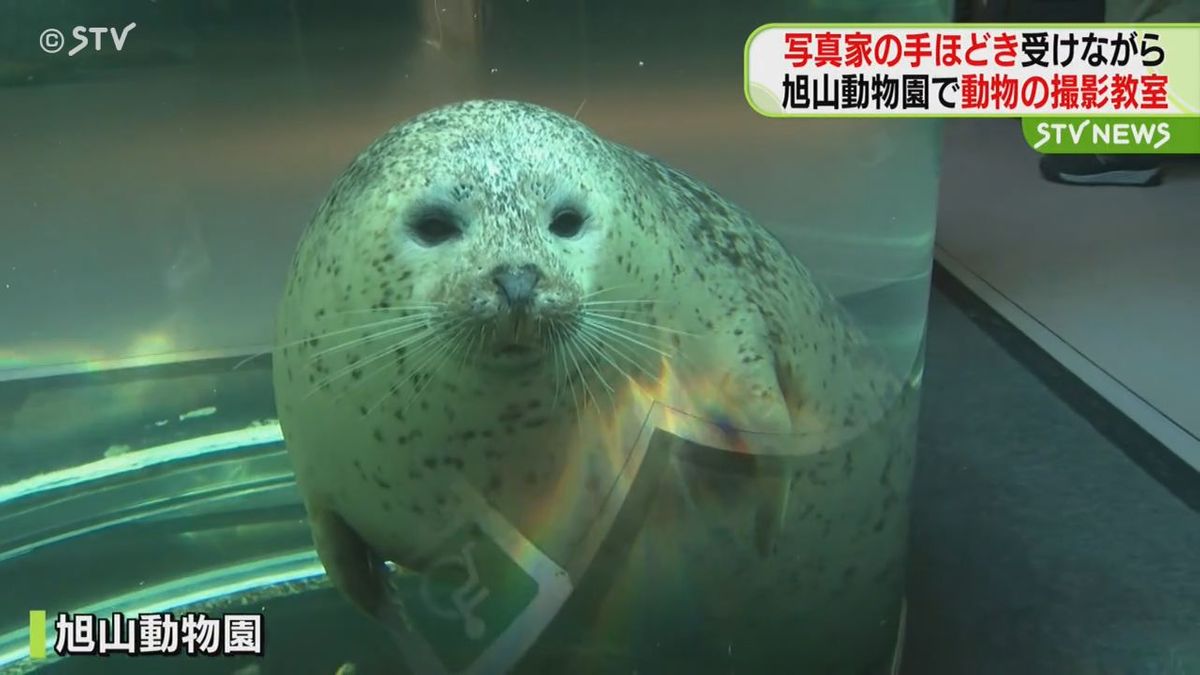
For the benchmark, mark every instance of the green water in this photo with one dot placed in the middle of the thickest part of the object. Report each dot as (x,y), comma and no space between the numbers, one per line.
(154,197)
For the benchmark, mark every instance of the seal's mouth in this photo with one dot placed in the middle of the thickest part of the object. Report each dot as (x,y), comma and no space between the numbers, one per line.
(515,343)
(515,329)
(514,349)
(513,357)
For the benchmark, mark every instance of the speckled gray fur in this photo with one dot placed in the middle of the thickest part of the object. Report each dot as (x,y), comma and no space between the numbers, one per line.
(372,429)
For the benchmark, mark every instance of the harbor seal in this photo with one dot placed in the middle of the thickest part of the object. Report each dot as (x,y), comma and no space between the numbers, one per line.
(480,290)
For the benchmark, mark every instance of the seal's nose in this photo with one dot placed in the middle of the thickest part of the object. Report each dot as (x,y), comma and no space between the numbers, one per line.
(517,283)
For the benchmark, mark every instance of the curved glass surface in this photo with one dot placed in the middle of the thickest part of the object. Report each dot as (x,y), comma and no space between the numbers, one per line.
(155,196)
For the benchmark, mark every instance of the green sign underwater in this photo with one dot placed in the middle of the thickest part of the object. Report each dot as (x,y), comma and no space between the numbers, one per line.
(473,594)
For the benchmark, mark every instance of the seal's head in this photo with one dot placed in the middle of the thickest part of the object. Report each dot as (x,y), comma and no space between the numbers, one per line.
(491,216)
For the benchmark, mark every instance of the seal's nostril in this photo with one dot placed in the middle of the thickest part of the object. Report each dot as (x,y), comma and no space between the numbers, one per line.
(517,283)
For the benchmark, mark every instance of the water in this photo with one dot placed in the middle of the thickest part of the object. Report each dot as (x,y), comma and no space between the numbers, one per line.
(155,208)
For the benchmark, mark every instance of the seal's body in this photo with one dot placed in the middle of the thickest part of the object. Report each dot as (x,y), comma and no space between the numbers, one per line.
(483,288)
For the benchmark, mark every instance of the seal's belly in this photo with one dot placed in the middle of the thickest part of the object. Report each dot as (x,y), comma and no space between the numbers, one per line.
(541,467)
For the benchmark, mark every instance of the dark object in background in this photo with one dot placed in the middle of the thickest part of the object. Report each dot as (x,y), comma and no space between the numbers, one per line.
(1130,170)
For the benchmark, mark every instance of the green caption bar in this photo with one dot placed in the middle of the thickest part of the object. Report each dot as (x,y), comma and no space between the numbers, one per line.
(1113,135)
(37,633)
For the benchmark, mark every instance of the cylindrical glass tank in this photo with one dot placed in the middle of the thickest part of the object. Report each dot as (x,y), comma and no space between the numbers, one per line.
(154,197)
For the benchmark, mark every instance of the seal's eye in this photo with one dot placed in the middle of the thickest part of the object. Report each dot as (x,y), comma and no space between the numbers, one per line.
(566,223)
(434,229)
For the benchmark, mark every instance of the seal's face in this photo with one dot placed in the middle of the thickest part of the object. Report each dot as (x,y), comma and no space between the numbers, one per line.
(504,239)
(510,283)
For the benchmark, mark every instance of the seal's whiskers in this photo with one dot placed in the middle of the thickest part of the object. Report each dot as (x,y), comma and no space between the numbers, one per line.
(358,364)
(597,346)
(429,306)
(600,338)
(592,355)
(609,315)
(602,324)
(398,326)
(431,363)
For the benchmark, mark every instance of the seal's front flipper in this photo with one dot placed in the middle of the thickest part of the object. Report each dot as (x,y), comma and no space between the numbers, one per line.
(347,559)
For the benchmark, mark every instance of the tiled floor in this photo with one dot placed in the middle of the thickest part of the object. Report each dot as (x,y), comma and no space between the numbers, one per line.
(1105,279)
(1038,546)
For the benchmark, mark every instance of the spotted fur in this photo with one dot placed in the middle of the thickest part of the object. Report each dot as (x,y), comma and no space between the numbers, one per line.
(373,432)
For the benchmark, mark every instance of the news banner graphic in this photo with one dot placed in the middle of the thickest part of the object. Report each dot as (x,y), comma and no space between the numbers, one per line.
(161,634)
(1078,88)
